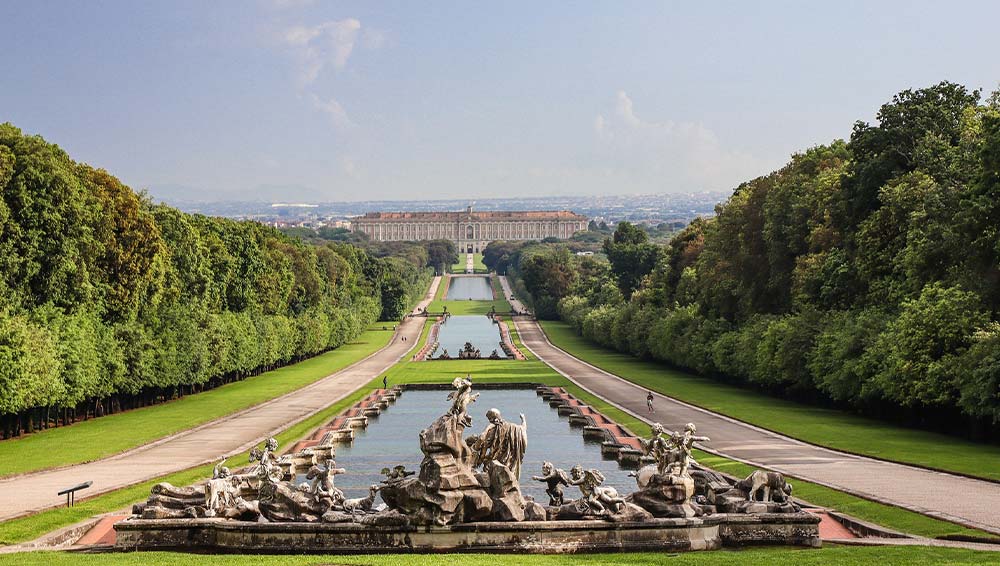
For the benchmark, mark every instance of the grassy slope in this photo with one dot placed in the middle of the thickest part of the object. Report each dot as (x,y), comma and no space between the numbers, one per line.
(830,555)
(105,436)
(825,427)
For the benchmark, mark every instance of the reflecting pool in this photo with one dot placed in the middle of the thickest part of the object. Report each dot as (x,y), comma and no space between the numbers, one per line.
(478,330)
(392,438)
(470,288)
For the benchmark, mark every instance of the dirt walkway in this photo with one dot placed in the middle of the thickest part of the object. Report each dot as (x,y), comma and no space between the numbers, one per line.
(962,500)
(229,435)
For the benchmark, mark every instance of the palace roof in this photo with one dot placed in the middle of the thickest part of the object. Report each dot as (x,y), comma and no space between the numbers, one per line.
(467,215)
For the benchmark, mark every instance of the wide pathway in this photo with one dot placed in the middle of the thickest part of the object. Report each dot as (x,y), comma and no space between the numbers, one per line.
(962,500)
(207,443)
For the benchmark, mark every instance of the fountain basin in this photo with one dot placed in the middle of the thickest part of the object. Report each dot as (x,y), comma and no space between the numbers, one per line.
(535,537)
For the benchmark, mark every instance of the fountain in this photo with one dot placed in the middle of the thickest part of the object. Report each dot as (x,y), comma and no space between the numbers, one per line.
(466,496)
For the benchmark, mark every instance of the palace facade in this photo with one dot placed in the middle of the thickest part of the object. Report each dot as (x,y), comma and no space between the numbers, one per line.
(471,231)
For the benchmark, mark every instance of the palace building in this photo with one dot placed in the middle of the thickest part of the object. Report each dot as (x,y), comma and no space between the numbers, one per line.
(471,231)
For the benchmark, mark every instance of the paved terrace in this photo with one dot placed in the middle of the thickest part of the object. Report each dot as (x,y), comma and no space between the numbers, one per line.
(969,502)
(236,433)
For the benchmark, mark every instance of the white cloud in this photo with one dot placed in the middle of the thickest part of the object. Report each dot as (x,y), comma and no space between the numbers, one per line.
(676,155)
(333,110)
(316,47)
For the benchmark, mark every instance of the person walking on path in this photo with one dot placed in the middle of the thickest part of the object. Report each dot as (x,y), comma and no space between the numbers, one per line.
(649,402)
(385,382)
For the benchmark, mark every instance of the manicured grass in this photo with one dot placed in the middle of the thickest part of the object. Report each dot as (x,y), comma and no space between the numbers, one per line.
(442,289)
(112,434)
(477,264)
(816,425)
(458,308)
(828,555)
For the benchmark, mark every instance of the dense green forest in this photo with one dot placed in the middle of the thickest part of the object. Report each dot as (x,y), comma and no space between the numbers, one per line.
(109,302)
(864,274)
(438,254)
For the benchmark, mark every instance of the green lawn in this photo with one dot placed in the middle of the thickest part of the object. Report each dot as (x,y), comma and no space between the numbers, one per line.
(829,555)
(469,307)
(105,436)
(477,264)
(816,425)
(442,287)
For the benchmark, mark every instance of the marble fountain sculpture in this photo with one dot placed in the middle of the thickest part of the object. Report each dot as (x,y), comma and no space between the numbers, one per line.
(466,496)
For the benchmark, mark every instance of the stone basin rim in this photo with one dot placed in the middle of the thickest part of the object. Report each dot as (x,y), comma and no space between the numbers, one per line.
(554,525)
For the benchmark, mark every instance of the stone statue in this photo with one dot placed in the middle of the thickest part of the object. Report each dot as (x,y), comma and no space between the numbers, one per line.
(555,479)
(222,492)
(771,486)
(268,471)
(322,484)
(396,474)
(658,448)
(460,399)
(501,442)
(362,504)
(686,444)
(597,497)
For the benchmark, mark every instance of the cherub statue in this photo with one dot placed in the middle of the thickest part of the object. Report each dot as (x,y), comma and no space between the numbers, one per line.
(322,486)
(555,479)
(268,471)
(461,397)
(268,465)
(501,441)
(686,443)
(658,447)
(595,496)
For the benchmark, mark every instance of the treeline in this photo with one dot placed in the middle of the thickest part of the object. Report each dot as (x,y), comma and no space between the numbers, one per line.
(109,302)
(439,255)
(863,274)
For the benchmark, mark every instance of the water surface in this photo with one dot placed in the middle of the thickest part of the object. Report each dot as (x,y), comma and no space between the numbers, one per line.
(470,288)
(391,439)
(479,330)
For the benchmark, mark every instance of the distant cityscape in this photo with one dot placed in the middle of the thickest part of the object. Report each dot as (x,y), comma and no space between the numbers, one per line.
(675,209)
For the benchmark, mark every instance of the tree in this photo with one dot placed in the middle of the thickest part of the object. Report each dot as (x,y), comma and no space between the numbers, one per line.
(631,256)
(441,255)
(918,347)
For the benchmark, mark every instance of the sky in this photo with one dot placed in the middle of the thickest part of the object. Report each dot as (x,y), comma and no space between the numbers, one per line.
(329,101)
